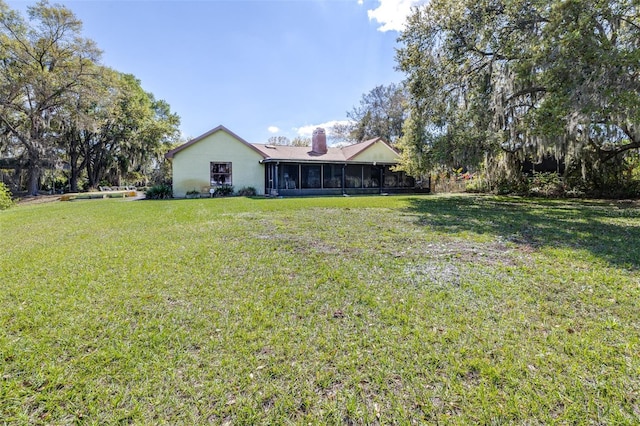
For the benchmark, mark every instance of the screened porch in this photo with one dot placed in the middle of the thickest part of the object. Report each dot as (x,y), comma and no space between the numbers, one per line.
(297,178)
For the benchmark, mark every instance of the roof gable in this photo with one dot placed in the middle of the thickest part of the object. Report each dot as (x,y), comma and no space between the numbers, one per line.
(219,128)
(372,149)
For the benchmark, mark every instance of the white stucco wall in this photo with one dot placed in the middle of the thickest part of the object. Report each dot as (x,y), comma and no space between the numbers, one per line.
(191,165)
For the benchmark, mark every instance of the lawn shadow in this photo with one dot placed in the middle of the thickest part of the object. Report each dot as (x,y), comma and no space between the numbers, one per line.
(609,230)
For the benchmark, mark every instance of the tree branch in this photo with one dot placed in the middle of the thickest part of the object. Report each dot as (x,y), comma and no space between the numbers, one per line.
(526,91)
(612,153)
(630,22)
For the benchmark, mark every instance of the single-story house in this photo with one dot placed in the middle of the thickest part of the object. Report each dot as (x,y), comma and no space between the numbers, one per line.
(220,157)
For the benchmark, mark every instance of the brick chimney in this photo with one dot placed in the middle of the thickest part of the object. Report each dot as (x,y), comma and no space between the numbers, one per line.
(319,141)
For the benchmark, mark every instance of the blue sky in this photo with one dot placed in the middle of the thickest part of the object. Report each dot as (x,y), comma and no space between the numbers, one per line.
(259,67)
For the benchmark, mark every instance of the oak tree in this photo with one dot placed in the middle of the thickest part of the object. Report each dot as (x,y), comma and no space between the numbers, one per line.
(528,78)
(43,63)
(380,113)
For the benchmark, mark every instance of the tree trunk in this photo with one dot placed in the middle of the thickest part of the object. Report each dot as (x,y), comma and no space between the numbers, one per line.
(75,170)
(73,178)
(34,176)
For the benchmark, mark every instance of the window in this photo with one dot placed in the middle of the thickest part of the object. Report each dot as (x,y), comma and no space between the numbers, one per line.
(397,179)
(288,177)
(310,176)
(370,177)
(332,176)
(221,174)
(353,176)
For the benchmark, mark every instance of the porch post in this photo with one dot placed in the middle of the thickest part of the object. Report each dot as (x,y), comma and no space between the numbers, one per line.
(275,180)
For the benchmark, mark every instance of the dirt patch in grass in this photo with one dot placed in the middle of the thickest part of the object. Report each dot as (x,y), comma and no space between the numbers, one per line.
(497,252)
(452,264)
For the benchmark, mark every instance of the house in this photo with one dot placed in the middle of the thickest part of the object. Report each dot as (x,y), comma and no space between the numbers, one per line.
(220,157)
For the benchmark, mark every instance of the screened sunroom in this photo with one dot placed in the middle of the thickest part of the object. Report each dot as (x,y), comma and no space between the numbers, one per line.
(310,178)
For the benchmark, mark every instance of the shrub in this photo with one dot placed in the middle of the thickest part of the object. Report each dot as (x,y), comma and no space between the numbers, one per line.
(547,184)
(247,191)
(193,194)
(224,191)
(5,197)
(477,184)
(59,184)
(518,185)
(159,192)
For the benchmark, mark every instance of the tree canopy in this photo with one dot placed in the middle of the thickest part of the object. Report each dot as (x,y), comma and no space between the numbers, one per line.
(524,77)
(381,113)
(299,141)
(58,104)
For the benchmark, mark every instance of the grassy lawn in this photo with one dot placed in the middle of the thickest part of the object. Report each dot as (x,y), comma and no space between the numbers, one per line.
(360,310)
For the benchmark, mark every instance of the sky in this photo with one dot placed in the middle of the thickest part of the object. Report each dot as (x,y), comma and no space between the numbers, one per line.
(261,68)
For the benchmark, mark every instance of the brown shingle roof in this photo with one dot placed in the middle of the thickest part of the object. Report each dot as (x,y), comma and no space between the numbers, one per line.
(289,153)
(298,153)
(295,153)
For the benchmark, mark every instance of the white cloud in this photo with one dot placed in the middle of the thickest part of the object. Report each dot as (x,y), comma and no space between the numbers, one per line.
(360,2)
(307,131)
(273,129)
(392,14)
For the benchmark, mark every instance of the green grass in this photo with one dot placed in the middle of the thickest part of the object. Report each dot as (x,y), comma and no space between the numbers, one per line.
(359,310)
